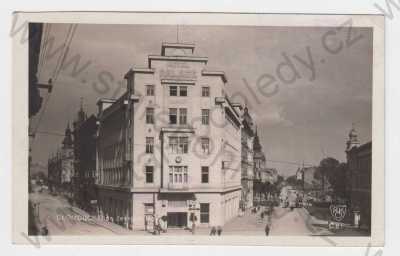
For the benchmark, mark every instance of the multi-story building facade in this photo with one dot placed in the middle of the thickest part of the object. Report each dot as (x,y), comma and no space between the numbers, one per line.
(260,165)
(85,130)
(359,171)
(170,146)
(247,157)
(54,172)
(259,157)
(61,166)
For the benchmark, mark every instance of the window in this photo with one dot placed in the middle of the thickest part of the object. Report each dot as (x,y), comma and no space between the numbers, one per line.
(150,90)
(205,91)
(204,213)
(205,145)
(204,174)
(173,91)
(149,145)
(182,116)
(149,174)
(178,174)
(205,116)
(149,115)
(173,144)
(179,145)
(183,91)
(173,115)
(178,91)
(183,145)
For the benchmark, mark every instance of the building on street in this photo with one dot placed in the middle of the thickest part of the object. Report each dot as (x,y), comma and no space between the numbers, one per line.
(169,149)
(247,157)
(260,164)
(359,160)
(61,166)
(85,131)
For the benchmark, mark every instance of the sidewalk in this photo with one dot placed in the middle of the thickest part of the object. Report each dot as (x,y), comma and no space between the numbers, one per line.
(347,230)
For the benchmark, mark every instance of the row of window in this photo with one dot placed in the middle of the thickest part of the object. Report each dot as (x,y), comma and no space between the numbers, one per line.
(178,145)
(175,90)
(177,174)
(178,116)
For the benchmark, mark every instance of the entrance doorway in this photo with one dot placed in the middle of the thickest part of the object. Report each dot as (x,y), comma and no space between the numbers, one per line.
(177,219)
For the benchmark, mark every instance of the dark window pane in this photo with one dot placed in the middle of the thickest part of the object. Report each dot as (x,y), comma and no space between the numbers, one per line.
(173,115)
(204,213)
(173,91)
(149,174)
(204,174)
(183,91)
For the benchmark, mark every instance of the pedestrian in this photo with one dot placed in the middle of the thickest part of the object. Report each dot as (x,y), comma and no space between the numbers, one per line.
(267,229)
(194,219)
(213,231)
(262,215)
(219,230)
(193,227)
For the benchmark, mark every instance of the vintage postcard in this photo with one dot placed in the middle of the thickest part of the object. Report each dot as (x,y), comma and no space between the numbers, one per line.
(198,128)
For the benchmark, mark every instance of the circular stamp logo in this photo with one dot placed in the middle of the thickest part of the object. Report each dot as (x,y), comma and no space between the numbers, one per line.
(338,211)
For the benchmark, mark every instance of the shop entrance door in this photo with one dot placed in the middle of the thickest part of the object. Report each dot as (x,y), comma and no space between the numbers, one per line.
(177,219)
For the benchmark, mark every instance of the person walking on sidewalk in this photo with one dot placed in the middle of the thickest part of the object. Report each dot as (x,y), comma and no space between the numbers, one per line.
(219,230)
(193,219)
(267,229)
(213,231)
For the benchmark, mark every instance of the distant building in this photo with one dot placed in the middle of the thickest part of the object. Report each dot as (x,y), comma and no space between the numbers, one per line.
(269,175)
(54,172)
(307,175)
(359,177)
(85,131)
(169,148)
(260,165)
(61,166)
(259,157)
(247,157)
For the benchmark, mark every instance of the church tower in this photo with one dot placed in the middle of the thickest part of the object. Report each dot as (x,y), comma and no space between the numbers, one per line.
(67,155)
(352,140)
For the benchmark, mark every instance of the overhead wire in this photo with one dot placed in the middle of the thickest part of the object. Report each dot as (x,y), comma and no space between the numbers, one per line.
(67,43)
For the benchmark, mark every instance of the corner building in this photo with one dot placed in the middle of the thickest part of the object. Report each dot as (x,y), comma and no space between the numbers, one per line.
(170,147)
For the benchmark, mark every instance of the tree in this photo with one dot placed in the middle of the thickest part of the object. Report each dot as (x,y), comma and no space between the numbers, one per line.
(338,180)
(326,169)
(294,182)
(279,180)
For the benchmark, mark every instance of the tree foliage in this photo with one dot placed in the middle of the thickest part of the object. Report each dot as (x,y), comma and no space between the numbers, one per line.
(326,169)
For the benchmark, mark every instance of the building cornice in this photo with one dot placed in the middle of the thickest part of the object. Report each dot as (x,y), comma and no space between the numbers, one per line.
(138,70)
(178,81)
(177,58)
(215,73)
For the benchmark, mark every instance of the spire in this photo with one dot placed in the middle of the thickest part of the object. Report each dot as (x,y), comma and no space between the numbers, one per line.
(81,113)
(67,141)
(257,146)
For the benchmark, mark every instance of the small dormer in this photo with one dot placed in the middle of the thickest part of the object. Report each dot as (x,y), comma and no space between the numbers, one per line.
(177,49)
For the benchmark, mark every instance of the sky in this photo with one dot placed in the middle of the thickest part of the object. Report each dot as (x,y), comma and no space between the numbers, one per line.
(305,86)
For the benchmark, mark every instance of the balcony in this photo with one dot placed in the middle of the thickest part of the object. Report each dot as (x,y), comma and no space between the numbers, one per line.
(175,187)
(178,186)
